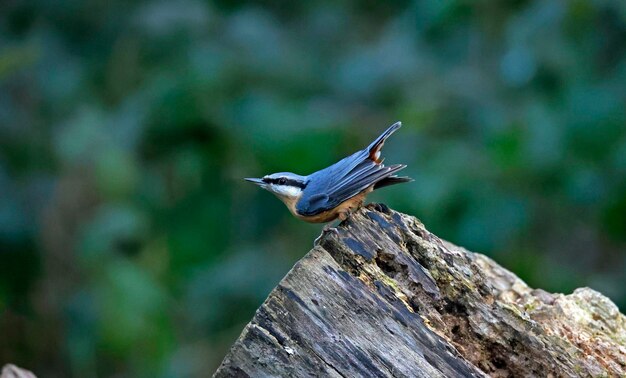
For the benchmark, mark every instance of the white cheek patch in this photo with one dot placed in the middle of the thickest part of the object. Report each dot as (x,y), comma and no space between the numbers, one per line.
(286,190)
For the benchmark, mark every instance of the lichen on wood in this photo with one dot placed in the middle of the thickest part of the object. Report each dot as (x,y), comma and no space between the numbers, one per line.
(384,297)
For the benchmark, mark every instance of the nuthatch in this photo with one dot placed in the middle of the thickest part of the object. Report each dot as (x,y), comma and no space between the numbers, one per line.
(336,191)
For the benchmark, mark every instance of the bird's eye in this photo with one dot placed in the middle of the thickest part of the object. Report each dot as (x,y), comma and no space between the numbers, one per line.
(282,181)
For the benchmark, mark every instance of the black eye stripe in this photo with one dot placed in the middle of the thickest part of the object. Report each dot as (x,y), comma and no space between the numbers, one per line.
(299,184)
(285,181)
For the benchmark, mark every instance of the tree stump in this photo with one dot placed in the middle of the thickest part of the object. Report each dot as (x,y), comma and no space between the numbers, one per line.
(383,297)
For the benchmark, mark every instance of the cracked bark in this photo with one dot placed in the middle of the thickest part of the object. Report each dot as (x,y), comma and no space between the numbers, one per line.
(383,297)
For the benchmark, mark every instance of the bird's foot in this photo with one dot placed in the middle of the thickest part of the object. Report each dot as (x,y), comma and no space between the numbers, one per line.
(327,228)
(380,207)
(345,215)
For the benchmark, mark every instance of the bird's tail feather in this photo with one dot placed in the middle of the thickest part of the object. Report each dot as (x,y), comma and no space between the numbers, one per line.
(392,180)
(375,147)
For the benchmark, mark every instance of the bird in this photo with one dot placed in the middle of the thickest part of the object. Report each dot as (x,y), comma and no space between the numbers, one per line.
(337,191)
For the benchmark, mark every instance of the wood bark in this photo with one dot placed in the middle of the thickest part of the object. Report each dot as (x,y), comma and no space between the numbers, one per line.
(384,297)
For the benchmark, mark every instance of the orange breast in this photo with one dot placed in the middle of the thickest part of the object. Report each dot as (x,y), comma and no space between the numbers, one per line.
(340,211)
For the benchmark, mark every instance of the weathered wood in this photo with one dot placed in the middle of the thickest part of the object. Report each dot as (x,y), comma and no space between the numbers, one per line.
(383,297)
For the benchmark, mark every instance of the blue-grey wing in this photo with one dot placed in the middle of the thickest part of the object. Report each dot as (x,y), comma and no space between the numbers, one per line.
(345,179)
(348,165)
(365,175)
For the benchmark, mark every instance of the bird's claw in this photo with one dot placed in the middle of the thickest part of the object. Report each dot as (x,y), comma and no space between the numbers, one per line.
(328,228)
(380,207)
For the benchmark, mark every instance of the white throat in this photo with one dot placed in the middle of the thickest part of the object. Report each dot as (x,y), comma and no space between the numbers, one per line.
(291,192)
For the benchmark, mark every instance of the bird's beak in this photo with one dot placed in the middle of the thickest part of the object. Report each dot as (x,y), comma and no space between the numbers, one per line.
(257,181)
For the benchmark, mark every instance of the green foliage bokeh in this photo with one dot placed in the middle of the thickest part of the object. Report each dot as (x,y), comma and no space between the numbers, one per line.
(129,243)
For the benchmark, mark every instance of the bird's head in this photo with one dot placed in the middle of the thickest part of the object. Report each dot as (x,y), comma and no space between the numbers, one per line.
(285,185)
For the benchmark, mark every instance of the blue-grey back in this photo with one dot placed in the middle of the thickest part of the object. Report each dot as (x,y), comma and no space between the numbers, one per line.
(329,187)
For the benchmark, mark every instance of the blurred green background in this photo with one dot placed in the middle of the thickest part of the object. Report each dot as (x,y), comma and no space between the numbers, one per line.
(130,245)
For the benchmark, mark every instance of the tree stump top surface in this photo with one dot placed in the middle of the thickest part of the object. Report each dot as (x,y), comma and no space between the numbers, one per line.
(384,297)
